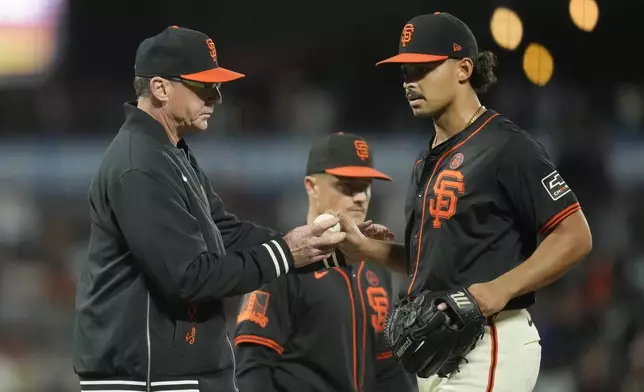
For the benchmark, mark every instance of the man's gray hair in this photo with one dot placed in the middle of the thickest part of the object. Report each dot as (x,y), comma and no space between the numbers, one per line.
(141,86)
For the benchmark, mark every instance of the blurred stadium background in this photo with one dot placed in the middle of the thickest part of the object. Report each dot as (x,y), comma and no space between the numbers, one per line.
(569,74)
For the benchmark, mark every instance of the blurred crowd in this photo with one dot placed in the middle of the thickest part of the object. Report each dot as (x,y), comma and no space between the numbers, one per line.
(590,322)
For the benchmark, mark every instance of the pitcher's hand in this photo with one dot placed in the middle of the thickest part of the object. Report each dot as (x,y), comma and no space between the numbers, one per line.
(376,231)
(310,243)
(354,240)
(490,297)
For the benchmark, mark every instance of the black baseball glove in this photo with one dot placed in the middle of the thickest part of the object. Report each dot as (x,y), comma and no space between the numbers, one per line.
(428,341)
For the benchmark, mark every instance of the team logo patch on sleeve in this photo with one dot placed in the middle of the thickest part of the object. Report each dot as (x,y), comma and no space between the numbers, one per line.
(253,308)
(555,185)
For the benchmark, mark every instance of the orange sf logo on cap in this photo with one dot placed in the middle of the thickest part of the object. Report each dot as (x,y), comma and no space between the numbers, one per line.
(405,38)
(362,149)
(211,47)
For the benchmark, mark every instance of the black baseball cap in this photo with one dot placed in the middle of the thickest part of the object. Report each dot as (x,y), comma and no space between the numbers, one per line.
(434,37)
(181,52)
(344,155)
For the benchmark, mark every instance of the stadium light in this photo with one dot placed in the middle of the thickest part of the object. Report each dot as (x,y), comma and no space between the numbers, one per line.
(538,64)
(506,28)
(584,14)
(30,39)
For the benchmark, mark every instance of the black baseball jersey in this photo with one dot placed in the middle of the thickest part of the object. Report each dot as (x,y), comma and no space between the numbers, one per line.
(478,205)
(319,332)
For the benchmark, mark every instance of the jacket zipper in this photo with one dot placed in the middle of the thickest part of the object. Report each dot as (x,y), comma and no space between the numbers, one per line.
(147,335)
(232,353)
(222,250)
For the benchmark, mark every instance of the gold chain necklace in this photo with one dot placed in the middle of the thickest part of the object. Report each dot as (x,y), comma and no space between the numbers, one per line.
(475,116)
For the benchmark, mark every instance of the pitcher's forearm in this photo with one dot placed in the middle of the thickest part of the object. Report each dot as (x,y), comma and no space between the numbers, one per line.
(389,255)
(569,242)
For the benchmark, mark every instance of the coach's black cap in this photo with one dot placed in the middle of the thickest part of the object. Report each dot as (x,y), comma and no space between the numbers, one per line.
(434,37)
(181,52)
(343,155)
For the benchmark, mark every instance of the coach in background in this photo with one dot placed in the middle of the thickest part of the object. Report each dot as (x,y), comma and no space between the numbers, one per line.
(163,251)
(323,331)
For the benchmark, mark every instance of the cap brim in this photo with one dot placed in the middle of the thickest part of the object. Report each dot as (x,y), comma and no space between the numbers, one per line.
(404,58)
(358,172)
(215,75)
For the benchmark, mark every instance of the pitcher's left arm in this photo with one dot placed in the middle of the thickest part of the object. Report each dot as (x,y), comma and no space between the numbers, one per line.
(545,208)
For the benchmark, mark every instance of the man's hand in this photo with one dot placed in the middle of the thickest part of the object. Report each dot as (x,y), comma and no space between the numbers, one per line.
(357,246)
(490,296)
(350,247)
(310,243)
(376,231)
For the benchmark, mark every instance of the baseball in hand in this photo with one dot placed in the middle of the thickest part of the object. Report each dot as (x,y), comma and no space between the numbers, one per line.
(334,229)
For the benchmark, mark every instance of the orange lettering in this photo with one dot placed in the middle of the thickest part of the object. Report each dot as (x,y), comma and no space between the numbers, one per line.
(191,336)
(449,184)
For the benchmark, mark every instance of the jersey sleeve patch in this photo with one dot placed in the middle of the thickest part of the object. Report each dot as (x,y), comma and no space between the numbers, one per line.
(555,185)
(254,307)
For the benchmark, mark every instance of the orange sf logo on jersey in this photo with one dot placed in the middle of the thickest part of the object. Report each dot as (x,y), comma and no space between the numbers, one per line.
(449,184)
(379,302)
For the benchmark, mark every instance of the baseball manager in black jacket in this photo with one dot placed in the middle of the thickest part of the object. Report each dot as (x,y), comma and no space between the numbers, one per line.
(163,251)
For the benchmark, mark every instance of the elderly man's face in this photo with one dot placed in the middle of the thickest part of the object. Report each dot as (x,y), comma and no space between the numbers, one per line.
(193,103)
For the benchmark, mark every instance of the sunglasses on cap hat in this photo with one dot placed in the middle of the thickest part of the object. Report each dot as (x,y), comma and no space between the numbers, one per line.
(194,83)
(208,91)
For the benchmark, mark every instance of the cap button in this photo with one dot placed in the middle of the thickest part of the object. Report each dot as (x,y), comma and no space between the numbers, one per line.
(174,26)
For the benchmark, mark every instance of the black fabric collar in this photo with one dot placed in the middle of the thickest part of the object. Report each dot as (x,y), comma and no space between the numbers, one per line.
(138,120)
(454,140)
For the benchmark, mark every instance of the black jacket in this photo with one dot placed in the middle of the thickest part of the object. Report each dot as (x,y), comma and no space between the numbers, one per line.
(163,253)
(319,332)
